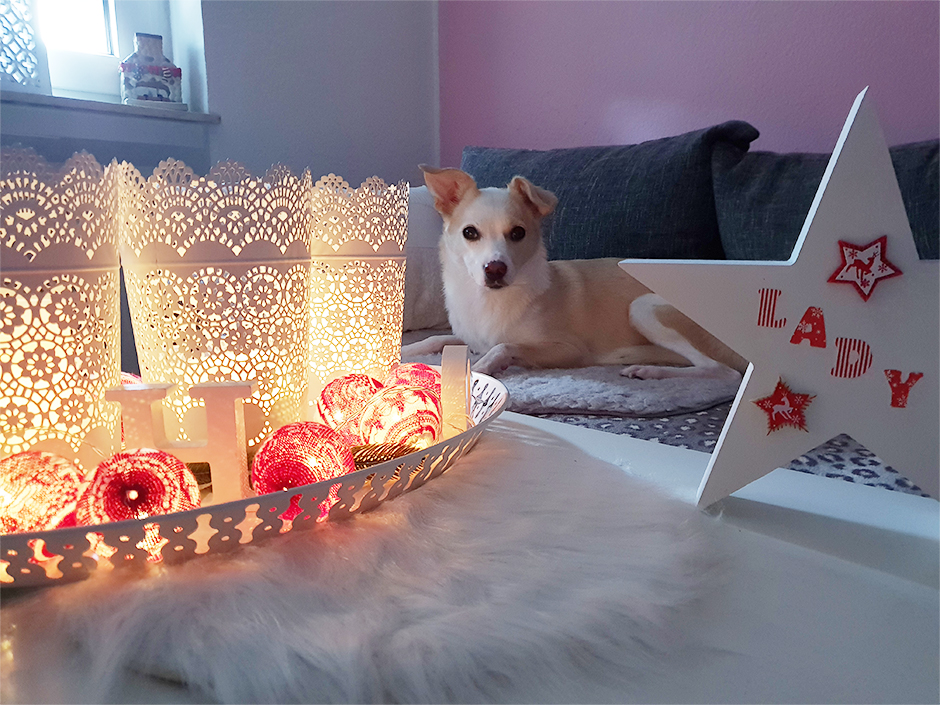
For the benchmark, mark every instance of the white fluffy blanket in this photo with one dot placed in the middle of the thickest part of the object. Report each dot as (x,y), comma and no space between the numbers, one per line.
(523,573)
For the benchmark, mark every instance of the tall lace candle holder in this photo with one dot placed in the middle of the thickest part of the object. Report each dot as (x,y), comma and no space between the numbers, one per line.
(59,308)
(217,270)
(357,279)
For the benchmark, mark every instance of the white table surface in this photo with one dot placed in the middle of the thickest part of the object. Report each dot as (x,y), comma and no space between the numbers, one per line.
(832,594)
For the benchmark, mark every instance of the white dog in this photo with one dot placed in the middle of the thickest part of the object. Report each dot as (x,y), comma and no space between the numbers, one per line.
(508,302)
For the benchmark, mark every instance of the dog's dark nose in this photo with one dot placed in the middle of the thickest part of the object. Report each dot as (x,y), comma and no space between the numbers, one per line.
(495,271)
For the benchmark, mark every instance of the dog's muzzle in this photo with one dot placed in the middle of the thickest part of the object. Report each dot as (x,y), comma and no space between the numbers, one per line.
(494,272)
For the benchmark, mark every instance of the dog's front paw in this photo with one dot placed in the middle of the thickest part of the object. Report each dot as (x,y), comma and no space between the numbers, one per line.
(647,372)
(496,360)
(417,349)
(429,346)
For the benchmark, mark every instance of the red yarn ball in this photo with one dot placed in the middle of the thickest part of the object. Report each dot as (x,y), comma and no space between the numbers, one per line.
(300,453)
(402,415)
(349,431)
(414,374)
(38,490)
(343,399)
(130,378)
(136,484)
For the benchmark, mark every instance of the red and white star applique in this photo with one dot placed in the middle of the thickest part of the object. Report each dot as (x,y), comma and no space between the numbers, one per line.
(785,408)
(864,266)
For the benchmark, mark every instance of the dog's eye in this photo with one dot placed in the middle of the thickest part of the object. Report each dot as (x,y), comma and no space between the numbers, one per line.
(517,233)
(471,233)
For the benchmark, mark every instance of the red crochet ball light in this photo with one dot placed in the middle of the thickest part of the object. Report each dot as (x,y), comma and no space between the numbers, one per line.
(38,490)
(130,378)
(136,484)
(300,453)
(343,398)
(414,374)
(405,415)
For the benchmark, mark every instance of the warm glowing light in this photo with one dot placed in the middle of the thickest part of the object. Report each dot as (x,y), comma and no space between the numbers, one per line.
(128,378)
(38,490)
(414,374)
(349,431)
(406,415)
(59,307)
(300,453)
(138,484)
(342,399)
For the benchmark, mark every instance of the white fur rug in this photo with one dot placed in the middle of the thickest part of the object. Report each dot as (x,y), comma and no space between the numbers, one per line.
(527,569)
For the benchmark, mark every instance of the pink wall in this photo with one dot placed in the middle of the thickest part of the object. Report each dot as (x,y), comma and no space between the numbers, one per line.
(543,74)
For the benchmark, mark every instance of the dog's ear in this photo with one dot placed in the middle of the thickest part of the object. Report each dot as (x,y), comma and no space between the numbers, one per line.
(448,186)
(538,199)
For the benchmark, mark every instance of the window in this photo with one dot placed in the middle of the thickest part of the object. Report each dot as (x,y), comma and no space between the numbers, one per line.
(87,39)
(83,26)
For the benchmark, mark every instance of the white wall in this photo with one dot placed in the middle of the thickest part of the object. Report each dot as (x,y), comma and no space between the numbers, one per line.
(342,87)
(189,51)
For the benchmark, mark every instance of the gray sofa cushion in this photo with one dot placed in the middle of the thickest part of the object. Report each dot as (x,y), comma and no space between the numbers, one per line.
(649,200)
(762,198)
(917,166)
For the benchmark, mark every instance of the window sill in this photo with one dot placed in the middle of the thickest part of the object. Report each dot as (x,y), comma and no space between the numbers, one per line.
(112,108)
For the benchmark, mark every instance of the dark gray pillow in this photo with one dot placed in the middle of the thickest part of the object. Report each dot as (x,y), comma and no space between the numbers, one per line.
(649,200)
(762,198)
(917,166)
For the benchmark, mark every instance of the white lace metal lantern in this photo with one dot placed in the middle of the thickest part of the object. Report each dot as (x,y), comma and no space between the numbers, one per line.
(275,279)
(357,279)
(217,272)
(59,308)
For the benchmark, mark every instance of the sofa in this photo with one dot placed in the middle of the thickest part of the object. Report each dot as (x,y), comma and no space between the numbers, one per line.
(699,195)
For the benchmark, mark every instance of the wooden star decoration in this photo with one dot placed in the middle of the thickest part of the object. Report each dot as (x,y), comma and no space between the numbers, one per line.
(864,266)
(870,361)
(784,407)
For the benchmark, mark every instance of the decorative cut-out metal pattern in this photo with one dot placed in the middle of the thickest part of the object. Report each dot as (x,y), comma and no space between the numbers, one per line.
(23,64)
(210,325)
(176,208)
(53,557)
(373,214)
(59,351)
(59,307)
(75,206)
(356,309)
